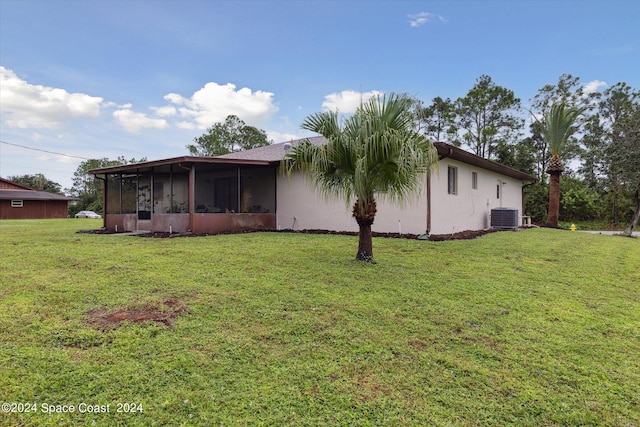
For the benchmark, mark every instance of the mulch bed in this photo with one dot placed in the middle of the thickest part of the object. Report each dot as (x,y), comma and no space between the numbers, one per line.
(461,235)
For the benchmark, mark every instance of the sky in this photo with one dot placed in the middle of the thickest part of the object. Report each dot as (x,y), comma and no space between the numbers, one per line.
(93,79)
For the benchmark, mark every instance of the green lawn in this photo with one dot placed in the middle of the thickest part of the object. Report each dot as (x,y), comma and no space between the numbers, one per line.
(539,327)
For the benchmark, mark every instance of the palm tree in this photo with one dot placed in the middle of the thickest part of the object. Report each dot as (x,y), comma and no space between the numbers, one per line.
(374,151)
(558,126)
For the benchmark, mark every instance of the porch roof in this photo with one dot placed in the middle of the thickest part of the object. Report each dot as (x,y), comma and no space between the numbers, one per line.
(185,161)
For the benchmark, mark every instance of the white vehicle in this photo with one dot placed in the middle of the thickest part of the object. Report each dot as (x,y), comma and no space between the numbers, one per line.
(87,214)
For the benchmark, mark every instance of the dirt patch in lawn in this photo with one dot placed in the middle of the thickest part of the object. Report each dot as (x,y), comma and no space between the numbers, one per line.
(162,312)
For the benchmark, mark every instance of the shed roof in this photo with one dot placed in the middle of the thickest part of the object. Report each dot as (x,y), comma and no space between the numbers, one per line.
(5,184)
(31,195)
(10,190)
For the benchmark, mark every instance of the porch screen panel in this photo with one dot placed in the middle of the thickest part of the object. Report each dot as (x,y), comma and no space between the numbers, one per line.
(258,186)
(161,193)
(129,193)
(113,194)
(180,192)
(216,191)
(226,194)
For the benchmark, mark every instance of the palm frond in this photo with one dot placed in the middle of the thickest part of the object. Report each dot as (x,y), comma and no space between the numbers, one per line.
(559,126)
(374,151)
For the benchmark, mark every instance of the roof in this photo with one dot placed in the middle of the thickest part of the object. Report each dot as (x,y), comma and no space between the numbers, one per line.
(452,152)
(32,195)
(10,190)
(273,154)
(185,161)
(5,184)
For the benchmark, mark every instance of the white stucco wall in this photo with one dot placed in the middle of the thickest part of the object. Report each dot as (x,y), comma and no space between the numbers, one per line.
(300,207)
(297,199)
(470,208)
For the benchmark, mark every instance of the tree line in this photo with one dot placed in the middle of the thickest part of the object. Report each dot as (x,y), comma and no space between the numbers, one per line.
(600,160)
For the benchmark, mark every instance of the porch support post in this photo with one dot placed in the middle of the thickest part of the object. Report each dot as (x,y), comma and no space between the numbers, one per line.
(192,194)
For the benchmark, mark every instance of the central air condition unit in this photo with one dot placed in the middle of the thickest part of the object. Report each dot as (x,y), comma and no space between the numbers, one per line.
(504,218)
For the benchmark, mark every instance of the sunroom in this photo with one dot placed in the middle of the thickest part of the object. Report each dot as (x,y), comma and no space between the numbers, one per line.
(190,194)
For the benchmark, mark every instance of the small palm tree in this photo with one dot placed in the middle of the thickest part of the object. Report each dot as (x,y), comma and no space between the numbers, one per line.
(558,126)
(374,151)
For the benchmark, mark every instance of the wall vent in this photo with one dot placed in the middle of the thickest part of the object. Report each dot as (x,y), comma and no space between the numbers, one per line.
(506,218)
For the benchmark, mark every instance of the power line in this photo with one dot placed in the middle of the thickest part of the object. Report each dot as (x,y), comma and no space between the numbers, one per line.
(35,168)
(44,151)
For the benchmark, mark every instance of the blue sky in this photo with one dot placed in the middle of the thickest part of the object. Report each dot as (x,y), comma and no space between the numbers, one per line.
(97,79)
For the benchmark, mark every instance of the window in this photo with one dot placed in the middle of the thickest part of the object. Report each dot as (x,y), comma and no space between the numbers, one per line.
(498,191)
(452,180)
(17,203)
(474,180)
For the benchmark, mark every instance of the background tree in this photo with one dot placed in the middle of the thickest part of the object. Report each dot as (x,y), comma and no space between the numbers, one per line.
(578,201)
(627,156)
(620,119)
(39,182)
(558,127)
(486,116)
(568,90)
(227,137)
(87,188)
(437,121)
(376,151)
(520,156)
(610,163)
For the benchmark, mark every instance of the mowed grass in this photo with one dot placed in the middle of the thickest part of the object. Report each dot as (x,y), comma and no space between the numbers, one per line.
(538,327)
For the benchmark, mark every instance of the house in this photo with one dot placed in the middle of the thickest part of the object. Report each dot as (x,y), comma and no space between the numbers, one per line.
(246,191)
(19,201)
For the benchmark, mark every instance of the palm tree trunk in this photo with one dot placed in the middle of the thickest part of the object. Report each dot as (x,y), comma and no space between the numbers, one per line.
(554,200)
(364,213)
(365,244)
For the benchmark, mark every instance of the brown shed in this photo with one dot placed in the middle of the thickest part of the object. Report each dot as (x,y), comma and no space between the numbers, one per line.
(19,201)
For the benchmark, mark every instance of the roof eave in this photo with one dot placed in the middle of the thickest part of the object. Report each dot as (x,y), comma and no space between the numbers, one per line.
(449,151)
(176,160)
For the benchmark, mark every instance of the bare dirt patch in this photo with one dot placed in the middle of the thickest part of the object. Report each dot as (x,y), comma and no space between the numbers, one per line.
(162,312)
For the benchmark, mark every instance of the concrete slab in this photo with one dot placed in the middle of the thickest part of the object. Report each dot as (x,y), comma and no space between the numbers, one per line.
(609,232)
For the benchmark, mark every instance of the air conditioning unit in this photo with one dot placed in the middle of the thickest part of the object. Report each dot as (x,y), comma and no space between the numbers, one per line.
(505,218)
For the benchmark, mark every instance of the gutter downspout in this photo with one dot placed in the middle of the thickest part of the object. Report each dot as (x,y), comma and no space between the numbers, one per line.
(426,235)
(192,191)
(104,200)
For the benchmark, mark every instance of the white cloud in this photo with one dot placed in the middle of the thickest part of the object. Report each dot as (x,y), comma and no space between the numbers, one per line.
(593,86)
(214,102)
(166,111)
(418,19)
(277,137)
(134,122)
(347,101)
(186,125)
(25,105)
